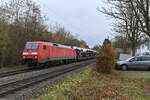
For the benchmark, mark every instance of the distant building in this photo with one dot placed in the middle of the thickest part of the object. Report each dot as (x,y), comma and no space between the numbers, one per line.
(123,51)
(143,49)
(123,54)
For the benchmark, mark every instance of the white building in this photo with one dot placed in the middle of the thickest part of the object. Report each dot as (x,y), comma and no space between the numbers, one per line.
(143,50)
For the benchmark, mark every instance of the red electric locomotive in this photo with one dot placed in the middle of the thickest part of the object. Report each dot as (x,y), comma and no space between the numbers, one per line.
(44,53)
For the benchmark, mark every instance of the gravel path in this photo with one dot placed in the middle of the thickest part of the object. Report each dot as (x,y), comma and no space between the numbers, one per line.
(134,74)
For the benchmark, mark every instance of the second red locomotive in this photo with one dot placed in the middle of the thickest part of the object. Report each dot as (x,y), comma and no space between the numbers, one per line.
(40,53)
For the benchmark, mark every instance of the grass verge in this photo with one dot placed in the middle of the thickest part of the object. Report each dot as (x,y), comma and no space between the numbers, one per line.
(14,68)
(90,85)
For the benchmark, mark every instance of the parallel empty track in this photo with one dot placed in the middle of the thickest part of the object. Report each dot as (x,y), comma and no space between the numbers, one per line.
(13,73)
(11,87)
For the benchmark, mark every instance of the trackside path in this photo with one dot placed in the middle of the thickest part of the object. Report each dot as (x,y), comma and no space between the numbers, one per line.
(134,74)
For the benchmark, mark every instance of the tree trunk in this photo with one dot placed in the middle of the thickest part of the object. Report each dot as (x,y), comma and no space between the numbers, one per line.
(133,49)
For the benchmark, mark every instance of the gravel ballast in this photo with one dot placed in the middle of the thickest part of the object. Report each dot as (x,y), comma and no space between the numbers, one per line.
(36,90)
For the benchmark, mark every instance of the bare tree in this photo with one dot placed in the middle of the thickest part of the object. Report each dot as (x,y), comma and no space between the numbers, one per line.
(126,23)
(20,21)
(141,9)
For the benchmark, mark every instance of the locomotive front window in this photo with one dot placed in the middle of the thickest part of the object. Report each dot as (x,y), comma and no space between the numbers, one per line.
(32,46)
(44,47)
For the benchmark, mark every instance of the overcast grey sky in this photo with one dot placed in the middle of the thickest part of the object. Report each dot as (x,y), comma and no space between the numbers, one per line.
(80,17)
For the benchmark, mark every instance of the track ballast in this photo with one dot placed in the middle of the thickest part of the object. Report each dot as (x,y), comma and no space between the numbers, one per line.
(11,87)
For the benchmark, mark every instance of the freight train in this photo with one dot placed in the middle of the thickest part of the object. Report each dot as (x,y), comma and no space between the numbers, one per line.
(44,53)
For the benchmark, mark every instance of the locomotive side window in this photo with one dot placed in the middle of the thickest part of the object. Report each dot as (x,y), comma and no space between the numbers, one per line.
(32,46)
(55,44)
(44,47)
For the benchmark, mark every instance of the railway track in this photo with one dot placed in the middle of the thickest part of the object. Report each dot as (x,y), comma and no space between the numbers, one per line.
(11,87)
(5,74)
(13,73)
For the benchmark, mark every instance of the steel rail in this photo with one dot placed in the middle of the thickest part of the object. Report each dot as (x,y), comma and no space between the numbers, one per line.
(11,87)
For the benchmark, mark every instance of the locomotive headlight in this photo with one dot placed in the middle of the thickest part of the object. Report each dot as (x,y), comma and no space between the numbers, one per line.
(25,53)
(34,53)
(35,57)
(24,57)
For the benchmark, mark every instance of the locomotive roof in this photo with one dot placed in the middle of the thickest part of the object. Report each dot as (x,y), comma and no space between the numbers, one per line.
(63,46)
(51,44)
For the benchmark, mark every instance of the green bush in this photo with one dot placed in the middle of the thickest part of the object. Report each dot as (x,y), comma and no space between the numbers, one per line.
(106,59)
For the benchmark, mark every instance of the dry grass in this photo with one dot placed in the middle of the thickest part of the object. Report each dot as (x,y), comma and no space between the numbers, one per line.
(90,85)
(14,68)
